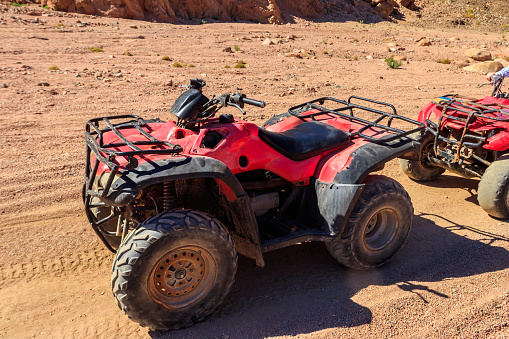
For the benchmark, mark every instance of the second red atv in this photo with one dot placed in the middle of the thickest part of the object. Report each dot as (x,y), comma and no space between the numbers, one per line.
(469,137)
(178,200)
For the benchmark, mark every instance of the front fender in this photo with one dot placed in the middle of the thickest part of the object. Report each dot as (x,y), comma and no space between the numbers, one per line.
(131,182)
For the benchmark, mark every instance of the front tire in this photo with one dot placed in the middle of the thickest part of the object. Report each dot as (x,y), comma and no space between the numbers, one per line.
(377,227)
(493,191)
(174,269)
(422,170)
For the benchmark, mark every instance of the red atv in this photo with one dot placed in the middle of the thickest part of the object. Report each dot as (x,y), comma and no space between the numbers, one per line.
(178,200)
(471,138)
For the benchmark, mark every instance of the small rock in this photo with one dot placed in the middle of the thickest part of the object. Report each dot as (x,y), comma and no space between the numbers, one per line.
(384,8)
(478,54)
(228,50)
(460,64)
(392,3)
(43,83)
(485,67)
(133,26)
(504,62)
(267,42)
(424,42)
(112,57)
(168,83)
(4,85)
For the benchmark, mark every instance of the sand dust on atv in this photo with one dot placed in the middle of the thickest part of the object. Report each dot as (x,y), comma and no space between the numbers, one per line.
(450,279)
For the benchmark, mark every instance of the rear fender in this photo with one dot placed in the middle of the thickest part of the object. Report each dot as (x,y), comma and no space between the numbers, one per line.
(130,183)
(332,204)
(354,167)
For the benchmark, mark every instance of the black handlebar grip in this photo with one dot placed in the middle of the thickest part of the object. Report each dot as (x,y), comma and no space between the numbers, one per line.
(253,102)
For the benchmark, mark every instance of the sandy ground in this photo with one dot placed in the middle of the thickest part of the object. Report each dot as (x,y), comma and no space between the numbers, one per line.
(450,280)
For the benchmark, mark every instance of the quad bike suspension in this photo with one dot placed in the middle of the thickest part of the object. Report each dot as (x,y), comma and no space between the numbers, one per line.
(170,199)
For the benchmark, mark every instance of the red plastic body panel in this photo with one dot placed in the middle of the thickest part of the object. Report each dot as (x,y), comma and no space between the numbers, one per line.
(240,140)
(498,142)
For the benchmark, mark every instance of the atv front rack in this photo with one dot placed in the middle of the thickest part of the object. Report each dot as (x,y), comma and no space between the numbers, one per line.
(463,112)
(106,153)
(381,123)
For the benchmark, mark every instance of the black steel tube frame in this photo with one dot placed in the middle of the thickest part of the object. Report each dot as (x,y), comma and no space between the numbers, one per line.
(104,154)
(470,110)
(395,133)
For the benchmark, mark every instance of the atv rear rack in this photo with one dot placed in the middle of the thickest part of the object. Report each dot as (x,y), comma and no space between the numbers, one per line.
(383,122)
(465,112)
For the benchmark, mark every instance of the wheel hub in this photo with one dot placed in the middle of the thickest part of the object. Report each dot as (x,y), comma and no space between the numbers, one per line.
(181,277)
(180,273)
(381,229)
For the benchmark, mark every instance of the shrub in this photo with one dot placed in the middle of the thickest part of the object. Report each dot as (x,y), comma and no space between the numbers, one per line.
(54,68)
(95,49)
(166,58)
(236,48)
(177,64)
(444,61)
(240,64)
(469,14)
(128,53)
(392,63)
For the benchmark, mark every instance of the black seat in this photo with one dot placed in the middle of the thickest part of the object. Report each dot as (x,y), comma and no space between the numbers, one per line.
(305,140)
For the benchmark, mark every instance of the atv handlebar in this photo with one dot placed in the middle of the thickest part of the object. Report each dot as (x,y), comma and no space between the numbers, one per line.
(237,101)
(253,102)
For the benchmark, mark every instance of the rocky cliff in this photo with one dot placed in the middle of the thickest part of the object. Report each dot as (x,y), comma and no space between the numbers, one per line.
(263,11)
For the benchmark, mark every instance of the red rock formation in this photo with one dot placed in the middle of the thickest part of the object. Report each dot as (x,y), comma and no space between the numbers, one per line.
(265,11)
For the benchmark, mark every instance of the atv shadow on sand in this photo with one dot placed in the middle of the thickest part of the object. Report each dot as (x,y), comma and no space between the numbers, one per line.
(303,290)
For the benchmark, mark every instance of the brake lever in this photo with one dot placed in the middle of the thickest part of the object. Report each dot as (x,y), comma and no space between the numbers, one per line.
(238,107)
(486,83)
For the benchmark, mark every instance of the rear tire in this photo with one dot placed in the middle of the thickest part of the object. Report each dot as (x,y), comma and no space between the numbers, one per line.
(422,170)
(493,190)
(174,269)
(378,226)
